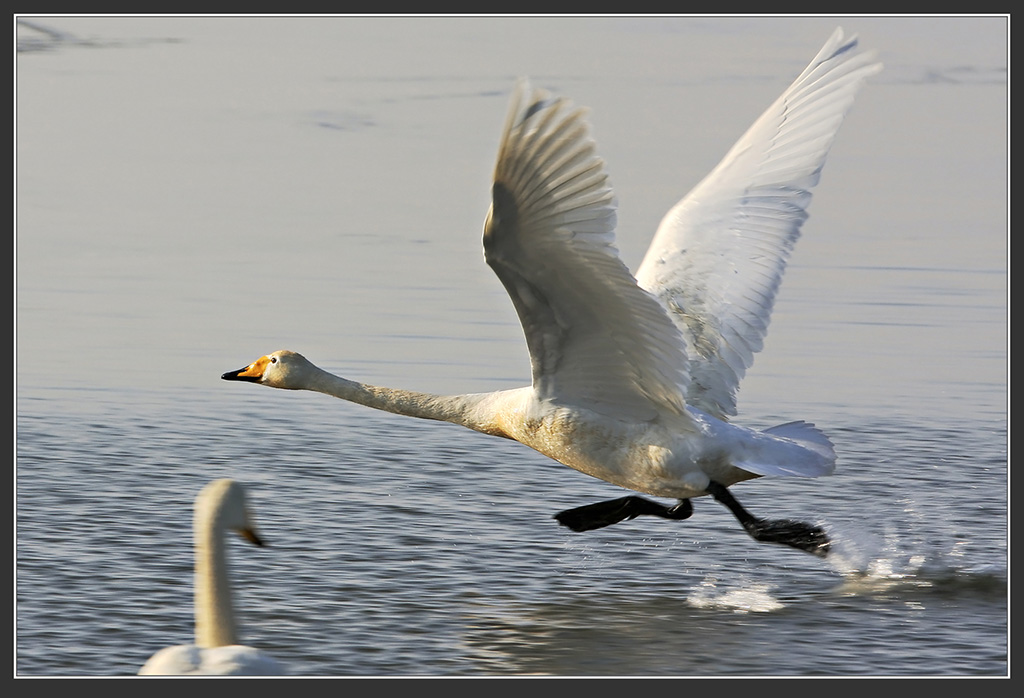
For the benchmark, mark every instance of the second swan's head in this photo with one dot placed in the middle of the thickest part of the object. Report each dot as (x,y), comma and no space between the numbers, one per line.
(280,369)
(222,504)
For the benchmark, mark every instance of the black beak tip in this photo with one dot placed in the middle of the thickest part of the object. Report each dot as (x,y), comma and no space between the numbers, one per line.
(235,375)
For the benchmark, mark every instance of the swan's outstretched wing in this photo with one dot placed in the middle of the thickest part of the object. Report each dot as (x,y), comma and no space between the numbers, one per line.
(595,338)
(719,254)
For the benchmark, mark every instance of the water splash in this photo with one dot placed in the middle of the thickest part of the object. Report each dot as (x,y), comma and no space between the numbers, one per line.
(751,598)
(871,564)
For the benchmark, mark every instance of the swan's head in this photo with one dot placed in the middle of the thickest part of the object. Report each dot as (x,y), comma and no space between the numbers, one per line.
(222,504)
(281,369)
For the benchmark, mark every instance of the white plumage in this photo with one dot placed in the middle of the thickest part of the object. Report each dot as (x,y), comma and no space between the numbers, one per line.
(717,259)
(220,507)
(634,378)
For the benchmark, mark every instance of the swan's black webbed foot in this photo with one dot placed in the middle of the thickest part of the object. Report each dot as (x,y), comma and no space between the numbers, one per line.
(602,514)
(796,534)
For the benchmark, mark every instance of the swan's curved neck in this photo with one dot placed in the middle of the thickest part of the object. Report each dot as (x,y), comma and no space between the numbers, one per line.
(215,614)
(472,410)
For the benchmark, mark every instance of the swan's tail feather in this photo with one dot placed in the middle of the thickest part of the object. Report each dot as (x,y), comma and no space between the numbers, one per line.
(799,449)
(807,434)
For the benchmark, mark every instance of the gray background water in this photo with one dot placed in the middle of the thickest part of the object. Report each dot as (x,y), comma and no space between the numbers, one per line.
(195,192)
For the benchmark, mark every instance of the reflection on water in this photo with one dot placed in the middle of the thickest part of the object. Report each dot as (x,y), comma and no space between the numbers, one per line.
(723,631)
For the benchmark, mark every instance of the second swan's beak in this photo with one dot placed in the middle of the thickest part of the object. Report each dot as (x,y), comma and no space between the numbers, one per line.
(252,373)
(250,535)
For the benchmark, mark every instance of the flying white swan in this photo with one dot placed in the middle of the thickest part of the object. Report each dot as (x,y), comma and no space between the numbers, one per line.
(634,379)
(220,507)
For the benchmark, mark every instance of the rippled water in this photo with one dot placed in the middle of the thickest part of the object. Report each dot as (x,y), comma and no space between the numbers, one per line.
(193,193)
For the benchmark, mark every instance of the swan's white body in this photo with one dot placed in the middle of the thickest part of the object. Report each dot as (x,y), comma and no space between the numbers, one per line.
(634,379)
(220,507)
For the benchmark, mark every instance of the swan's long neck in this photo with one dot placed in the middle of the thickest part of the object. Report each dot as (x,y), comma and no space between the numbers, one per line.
(480,412)
(215,614)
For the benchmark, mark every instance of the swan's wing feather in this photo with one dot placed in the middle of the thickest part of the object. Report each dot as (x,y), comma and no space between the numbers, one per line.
(718,256)
(595,338)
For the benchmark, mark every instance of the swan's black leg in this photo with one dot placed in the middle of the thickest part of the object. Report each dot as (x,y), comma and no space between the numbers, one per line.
(613,511)
(785,531)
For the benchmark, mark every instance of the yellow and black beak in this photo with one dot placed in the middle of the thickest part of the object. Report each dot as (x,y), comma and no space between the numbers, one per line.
(253,373)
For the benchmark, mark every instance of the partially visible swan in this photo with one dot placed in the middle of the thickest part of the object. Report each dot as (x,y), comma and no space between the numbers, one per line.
(220,506)
(634,379)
